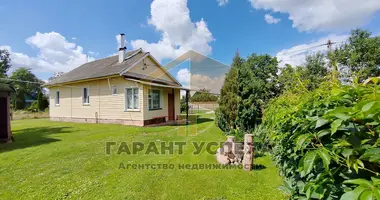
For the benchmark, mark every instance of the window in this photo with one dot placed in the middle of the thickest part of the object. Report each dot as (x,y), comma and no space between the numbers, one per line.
(132,99)
(57,97)
(114,90)
(154,99)
(86,96)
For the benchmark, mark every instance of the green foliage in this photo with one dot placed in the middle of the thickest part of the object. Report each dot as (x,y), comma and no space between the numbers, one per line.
(324,139)
(226,113)
(183,104)
(33,107)
(315,70)
(5,62)
(42,101)
(257,83)
(29,85)
(203,95)
(361,54)
(248,86)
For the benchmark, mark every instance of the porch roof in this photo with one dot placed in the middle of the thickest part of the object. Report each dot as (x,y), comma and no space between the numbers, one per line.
(157,84)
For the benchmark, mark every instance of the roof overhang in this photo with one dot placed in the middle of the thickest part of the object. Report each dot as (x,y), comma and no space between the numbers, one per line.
(157,84)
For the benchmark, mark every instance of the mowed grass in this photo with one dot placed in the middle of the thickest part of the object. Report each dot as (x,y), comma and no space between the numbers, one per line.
(56,160)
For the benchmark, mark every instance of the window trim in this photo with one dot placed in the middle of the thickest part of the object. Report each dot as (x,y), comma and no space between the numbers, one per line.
(126,109)
(161,99)
(57,103)
(112,88)
(88,94)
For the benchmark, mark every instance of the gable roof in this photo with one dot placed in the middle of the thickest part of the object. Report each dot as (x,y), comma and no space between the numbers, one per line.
(110,66)
(100,68)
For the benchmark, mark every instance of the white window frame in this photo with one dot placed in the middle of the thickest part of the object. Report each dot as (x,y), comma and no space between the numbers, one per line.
(57,98)
(149,99)
(88,94)
(133,99)
(114,87)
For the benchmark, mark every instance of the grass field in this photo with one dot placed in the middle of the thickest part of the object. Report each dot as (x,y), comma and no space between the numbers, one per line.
(55,160)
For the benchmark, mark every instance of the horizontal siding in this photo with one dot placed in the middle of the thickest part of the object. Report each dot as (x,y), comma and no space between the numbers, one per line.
(64,109)
(102,103)
(105,105)
(150,114)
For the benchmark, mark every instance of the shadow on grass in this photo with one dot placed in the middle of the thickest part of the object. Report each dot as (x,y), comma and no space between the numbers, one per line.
(258,154)
(258,167)
(193,121)
(32,137)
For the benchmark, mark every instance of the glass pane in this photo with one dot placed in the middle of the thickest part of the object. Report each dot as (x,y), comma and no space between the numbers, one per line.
(129,98)
(114,90)
(57,98)
(136,101)
(85,95)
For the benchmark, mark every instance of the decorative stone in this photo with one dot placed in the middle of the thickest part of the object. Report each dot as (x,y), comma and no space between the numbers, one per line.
(221,158)
(248,152)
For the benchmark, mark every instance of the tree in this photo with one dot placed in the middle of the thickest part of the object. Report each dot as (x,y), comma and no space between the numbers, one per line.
(257,84)
(203,95)
(361,54)
(315,70)
(226,113)
(27,84)
(5,62)
(42,101)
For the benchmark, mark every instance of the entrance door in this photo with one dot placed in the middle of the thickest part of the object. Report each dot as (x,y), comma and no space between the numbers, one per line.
(4,118)
(171,106)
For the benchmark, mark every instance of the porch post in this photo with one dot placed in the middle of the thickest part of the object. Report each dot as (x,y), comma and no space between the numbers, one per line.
(187,106)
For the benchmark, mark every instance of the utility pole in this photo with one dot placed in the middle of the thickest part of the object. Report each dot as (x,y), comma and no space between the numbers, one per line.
(332,60)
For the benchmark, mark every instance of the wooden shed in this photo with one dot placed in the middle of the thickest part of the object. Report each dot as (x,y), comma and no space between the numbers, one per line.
(5,121)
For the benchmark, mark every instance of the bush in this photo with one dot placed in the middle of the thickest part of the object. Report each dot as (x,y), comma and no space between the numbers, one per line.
(183,105)
(326,142)
(33,107)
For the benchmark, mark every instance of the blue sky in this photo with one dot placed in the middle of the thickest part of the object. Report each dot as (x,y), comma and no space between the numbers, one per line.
(52,36)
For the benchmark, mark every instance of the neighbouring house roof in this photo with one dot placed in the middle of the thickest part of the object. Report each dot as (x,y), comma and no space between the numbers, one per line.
(29,98)
(6,88)
(100,68)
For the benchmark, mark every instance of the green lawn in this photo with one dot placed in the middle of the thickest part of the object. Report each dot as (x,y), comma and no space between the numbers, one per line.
(55,160)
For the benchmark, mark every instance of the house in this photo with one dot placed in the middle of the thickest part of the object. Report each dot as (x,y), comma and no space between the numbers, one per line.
(29,99)
(5,124)
(131,88)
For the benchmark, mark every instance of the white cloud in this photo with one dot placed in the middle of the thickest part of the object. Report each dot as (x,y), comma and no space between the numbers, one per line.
(322,15)
(222,2)
(270,19)
(296,55)
(93,53)
(73,38)
(199,81)
(178,33)
(183,76)
(56,54)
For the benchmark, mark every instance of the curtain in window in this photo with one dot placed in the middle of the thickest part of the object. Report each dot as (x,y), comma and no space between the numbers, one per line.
(129,99)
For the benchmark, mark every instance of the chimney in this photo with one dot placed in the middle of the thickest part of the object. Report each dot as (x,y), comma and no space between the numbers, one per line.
(122,48)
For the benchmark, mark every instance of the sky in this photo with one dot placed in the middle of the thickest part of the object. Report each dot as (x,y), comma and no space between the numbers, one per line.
(57,36)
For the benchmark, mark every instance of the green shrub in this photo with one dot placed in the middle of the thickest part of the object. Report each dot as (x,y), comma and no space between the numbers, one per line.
(326,142)
(33,107)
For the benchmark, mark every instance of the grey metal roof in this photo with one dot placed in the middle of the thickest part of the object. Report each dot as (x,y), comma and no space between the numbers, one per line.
(100,68)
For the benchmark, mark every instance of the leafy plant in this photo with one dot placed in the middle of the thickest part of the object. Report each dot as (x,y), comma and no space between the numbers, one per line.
(324,139)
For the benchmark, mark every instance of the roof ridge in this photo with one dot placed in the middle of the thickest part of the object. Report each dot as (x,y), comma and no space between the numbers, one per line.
(135,52)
